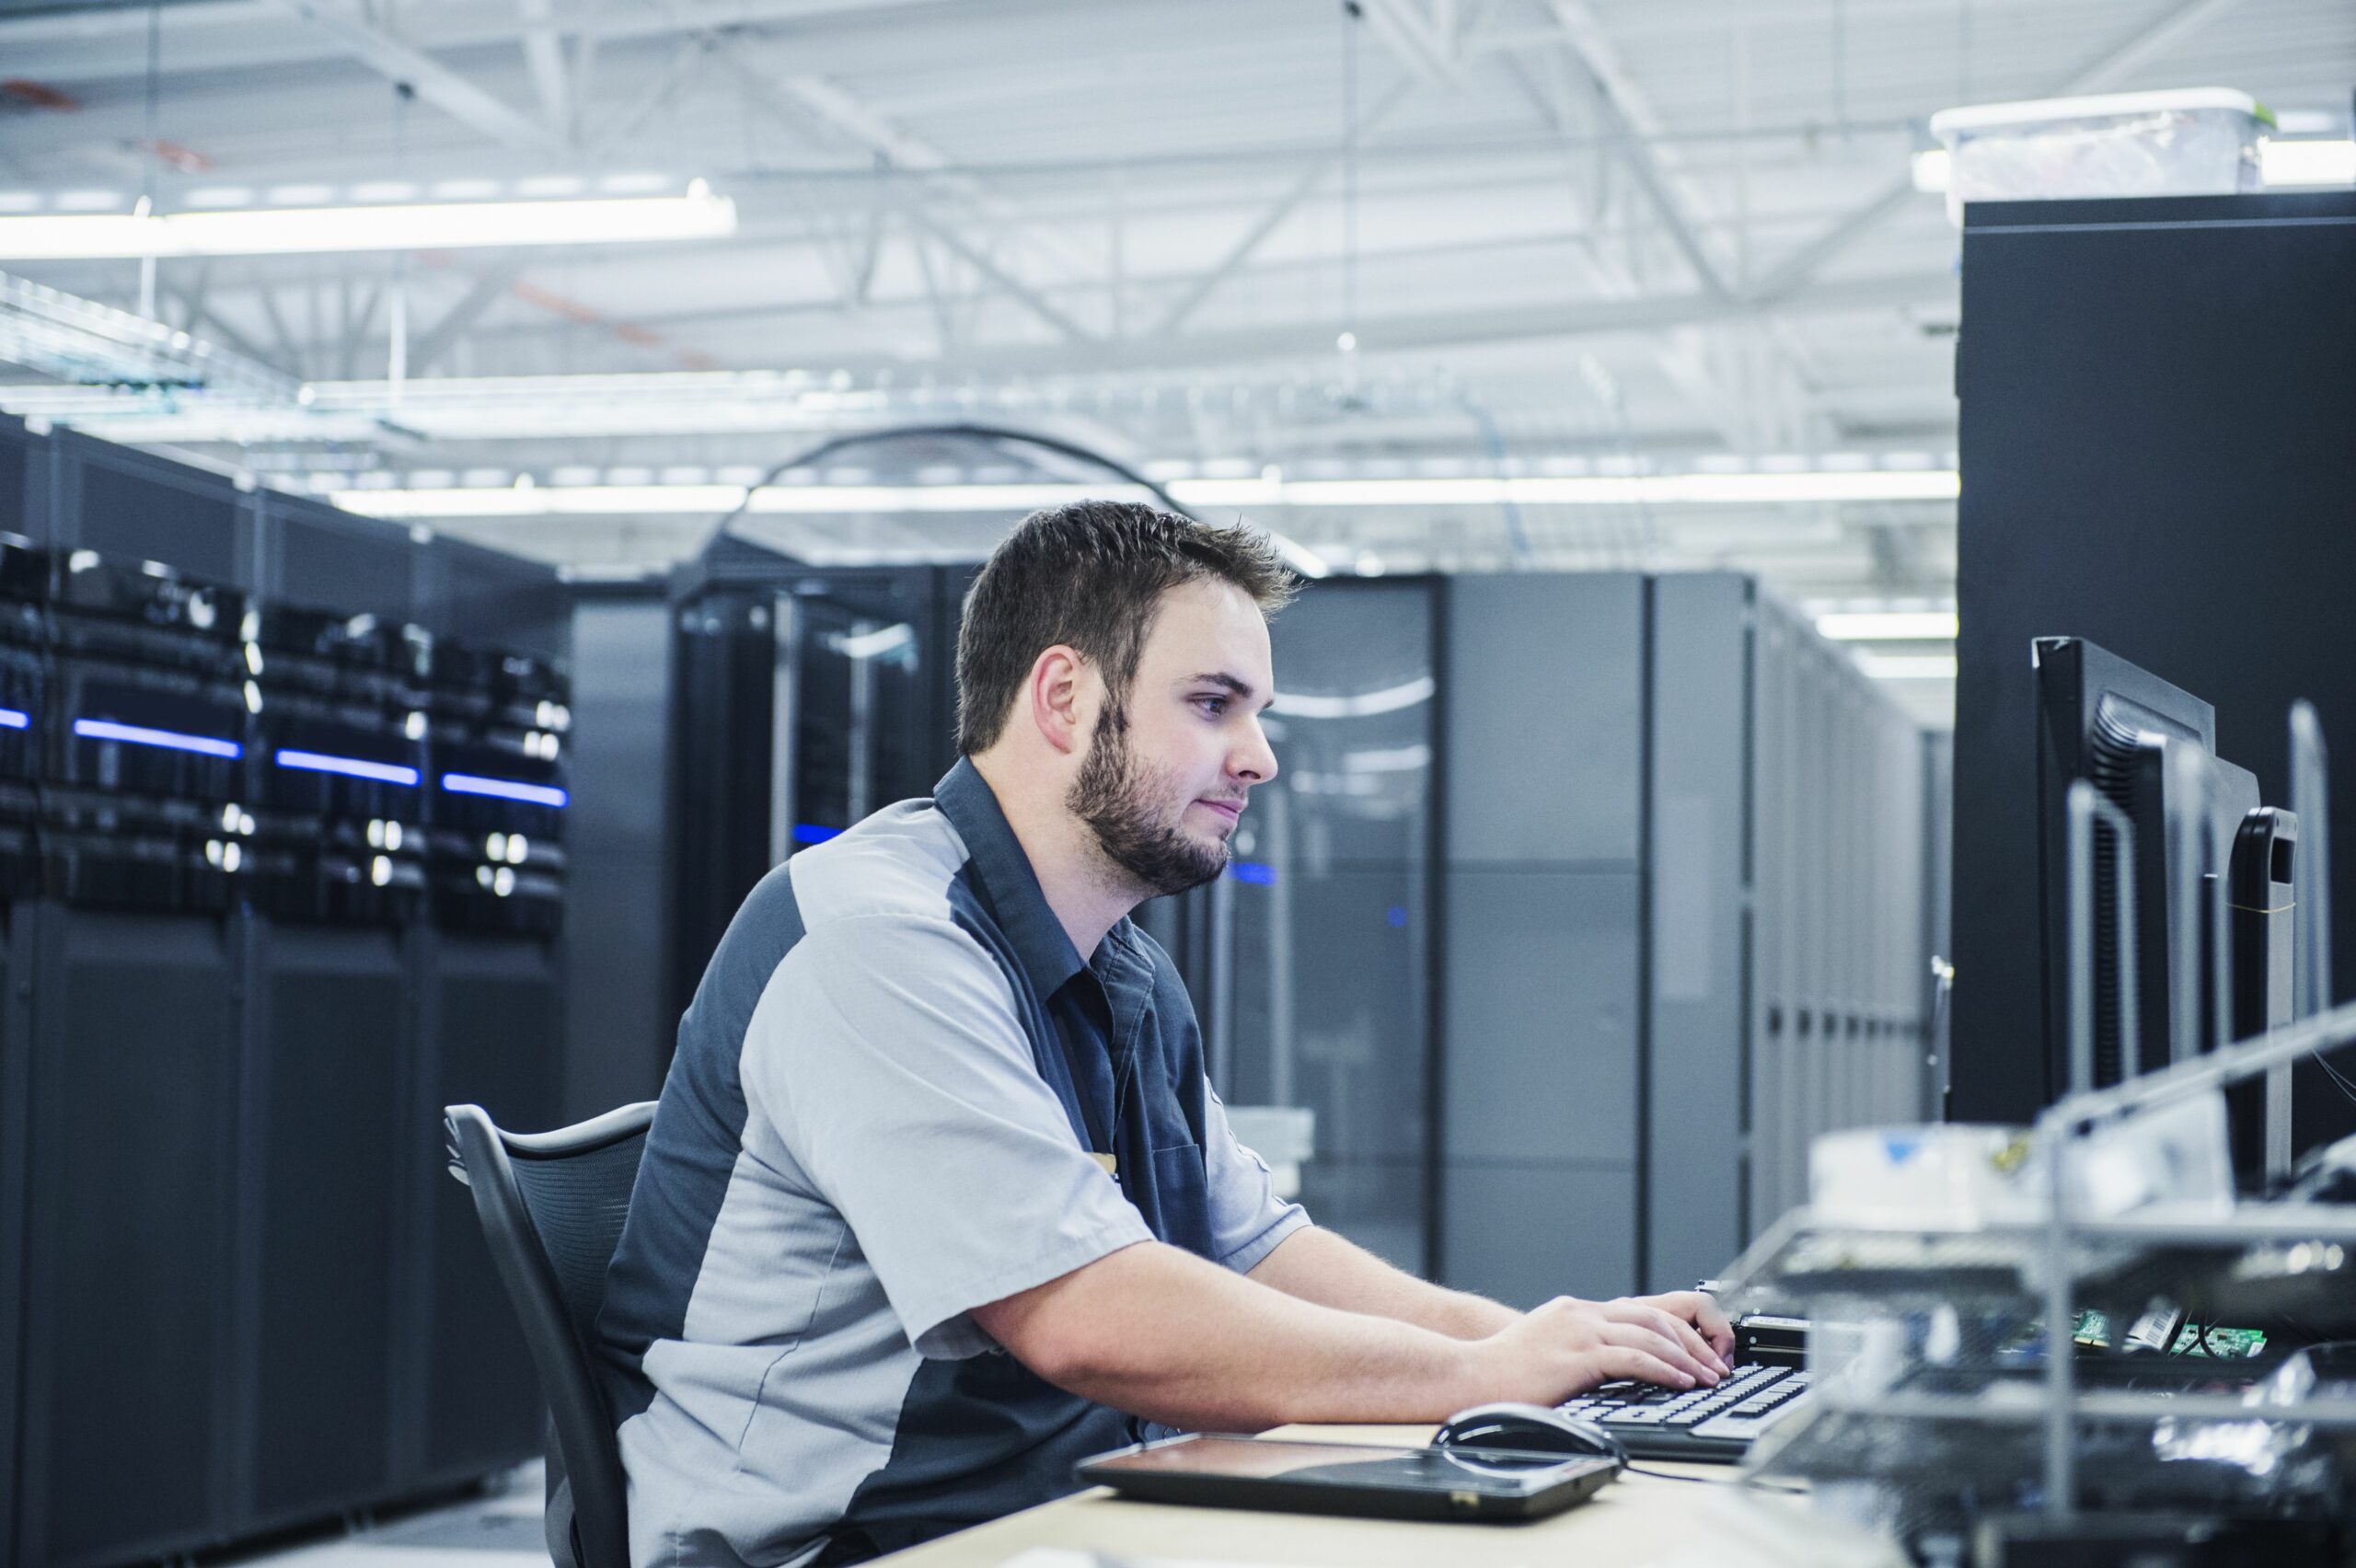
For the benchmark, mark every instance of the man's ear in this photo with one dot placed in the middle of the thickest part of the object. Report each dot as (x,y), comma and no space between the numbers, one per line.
(1055,696)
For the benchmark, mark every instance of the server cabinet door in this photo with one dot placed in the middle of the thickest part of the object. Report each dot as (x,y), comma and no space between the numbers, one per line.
(850,708)
(1324,913)
(16,1084)
(327,1025)
(723,658)
(131,1253)
(492,1011)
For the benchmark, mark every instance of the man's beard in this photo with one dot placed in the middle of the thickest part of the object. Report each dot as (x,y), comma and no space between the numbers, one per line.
(1124,804)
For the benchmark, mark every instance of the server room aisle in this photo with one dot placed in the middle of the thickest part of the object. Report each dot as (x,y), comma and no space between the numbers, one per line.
(497,1527)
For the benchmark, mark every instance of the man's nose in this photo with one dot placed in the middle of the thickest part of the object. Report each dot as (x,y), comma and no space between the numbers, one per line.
(1257,761)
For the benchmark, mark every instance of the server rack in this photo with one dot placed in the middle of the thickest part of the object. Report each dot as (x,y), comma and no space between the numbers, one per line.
(1543,901)
(488,983)
(221,1047)
(803,699)
(617,1024)
(1839,1005)
(1685,926)
(1311,961)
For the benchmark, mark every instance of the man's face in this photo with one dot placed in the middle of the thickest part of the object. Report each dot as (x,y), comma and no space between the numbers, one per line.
(1167,771)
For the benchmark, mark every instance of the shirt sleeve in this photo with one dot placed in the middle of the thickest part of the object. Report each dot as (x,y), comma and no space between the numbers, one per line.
(886,1050)
(1247,1216)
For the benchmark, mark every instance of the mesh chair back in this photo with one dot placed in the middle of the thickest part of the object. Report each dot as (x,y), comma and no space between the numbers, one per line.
(551,1206)
(578,1204)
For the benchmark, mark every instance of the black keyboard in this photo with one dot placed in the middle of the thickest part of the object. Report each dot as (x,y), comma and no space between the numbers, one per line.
(1714,1425)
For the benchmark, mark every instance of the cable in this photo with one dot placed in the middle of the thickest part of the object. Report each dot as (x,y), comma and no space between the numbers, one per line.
(974,432)
(2334,1074)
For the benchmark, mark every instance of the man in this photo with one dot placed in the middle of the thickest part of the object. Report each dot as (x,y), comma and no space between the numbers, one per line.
(934,1206)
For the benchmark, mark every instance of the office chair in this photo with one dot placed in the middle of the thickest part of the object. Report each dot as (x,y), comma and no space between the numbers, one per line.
(551,1206)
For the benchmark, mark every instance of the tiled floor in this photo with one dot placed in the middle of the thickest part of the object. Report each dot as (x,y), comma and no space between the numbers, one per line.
(499,1528)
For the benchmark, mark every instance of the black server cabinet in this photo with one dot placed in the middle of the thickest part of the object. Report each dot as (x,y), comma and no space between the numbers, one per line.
(617,1021)
(488,1030)
(324,1144)
(238,1291)
(23,701)
(16,1121)
(488,977)
(2157,455)
(130,1377)
(803,699)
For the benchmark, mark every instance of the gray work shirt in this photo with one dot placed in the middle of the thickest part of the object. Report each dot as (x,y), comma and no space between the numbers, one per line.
(883,1114)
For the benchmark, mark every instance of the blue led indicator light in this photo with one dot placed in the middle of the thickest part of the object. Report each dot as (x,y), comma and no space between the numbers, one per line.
(503,789)
(353,766)
(171,739)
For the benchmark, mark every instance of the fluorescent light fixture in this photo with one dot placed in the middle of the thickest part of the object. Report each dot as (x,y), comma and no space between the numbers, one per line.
(602,501)
(1397,759)
(171,739)
(1595,490)
(541,500)
(875,644)
(1933,168)
(1907,666)
(351,766)
(2306,163)
(12,720)
(448,225)
(1355,705)
(1889,625)
(1584,490)
(503,789)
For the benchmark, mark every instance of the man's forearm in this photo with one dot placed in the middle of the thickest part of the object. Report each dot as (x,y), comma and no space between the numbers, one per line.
(1318,1265)
(1160,1333)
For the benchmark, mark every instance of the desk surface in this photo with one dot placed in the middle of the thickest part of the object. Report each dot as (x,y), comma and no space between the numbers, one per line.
(1638,1519)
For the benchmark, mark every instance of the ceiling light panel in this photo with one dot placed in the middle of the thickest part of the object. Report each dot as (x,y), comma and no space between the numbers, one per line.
(275,231)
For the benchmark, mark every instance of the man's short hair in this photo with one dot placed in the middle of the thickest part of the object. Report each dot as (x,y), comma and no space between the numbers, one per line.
(1091,576)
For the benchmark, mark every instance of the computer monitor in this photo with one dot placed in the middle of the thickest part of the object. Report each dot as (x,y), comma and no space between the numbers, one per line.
(2204,846)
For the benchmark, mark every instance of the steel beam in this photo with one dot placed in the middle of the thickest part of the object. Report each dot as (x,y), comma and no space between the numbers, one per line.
(1271,220)
(435,83)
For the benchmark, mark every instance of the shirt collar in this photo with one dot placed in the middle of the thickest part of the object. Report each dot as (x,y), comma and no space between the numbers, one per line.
(1040,943)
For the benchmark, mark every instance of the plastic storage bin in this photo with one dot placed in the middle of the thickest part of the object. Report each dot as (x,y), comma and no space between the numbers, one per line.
(2192,142)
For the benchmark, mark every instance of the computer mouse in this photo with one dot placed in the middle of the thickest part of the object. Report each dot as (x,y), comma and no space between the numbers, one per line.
(1529,1429)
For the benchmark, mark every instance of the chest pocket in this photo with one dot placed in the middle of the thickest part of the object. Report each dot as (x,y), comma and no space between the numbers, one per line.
(1177,1208)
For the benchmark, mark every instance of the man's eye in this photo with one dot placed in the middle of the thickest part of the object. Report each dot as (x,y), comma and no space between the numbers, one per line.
(1212,705)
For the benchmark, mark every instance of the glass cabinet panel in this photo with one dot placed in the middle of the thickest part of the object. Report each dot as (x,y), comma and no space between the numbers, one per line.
(1319,932)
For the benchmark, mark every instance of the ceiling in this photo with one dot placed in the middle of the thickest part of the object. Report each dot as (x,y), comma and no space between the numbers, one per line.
(1402,237)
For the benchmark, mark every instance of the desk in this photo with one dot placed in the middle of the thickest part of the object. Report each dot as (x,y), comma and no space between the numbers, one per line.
(1638,1519)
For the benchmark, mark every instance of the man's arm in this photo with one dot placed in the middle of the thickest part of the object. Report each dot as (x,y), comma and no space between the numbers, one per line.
(1321,1267)
(1317,1266)
(1159,1332)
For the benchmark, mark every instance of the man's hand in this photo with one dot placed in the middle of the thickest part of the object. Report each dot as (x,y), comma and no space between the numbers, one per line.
(1568,1346)
(1699,1308)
